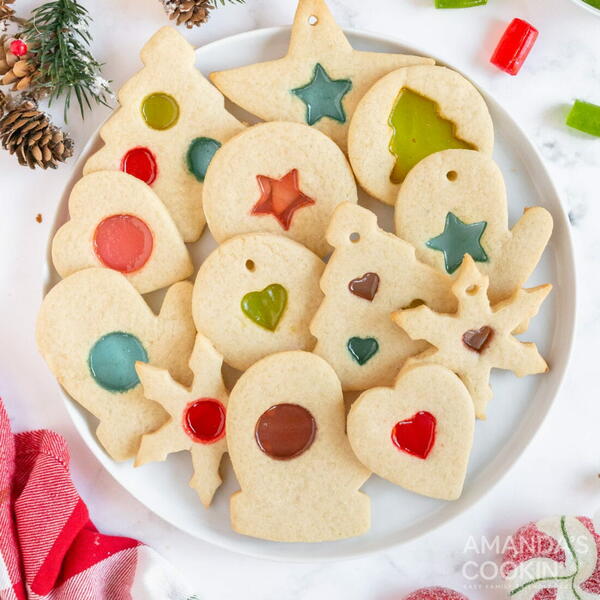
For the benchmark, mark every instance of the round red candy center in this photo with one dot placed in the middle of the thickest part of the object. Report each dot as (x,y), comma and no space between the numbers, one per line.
(18,48)
(204,420)
(123,243)
(416,435)
(140,163)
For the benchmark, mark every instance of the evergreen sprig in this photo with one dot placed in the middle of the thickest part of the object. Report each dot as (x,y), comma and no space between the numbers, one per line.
(59,39)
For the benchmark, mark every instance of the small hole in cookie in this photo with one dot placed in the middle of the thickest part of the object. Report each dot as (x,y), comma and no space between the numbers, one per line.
(250,265)
(452,175)
(473,290)
(313,20)
(355,237)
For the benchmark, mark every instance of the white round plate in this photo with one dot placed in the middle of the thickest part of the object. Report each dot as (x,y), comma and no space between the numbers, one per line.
(587,6)
(515,414)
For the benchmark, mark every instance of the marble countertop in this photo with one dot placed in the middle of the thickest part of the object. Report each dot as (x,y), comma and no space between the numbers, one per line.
(559,471)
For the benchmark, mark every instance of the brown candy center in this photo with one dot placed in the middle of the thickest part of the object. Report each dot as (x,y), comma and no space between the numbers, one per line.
(478,339)
(285,431)
(365,287)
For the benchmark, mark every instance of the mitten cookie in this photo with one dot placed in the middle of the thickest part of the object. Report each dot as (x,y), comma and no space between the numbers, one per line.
(555,558)
(478,337)
(116,221)
(290,180)
(370,274)
(408,115)
(319,82)
(170,123)
(255,294)
(417,434)
(454,203)
(286,433)
(197,416)
(92,328)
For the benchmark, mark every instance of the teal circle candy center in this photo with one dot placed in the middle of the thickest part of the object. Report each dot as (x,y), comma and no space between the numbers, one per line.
(199,155)
(112,361)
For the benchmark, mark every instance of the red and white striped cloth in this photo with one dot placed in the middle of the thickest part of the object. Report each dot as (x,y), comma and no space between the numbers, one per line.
(49,548)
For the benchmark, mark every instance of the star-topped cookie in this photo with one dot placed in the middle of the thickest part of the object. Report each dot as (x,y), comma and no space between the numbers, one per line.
(478,337)
(318,82)
(197,416)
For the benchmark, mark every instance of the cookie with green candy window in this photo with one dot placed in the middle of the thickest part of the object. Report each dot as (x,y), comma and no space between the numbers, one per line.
(92,328)
(170,123)
(408,115)
(320,80)
(454,203)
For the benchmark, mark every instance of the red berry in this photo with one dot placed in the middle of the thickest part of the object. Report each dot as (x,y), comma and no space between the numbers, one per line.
(18,48)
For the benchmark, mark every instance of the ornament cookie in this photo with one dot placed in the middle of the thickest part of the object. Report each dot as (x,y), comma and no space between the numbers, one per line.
(408,115)
(116,221)
(286,433)
(454,203)
(170,123)
(197,414)
(370,274)
(92,328)
(555,558)
(478,337)
(283,178)
(417,434)
(255,294)
(320,80)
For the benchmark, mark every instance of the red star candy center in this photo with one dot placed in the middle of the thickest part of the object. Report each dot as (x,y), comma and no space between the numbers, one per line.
(280,198)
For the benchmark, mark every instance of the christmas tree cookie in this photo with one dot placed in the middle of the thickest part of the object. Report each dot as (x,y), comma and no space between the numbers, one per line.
(170,124)
(320,80)
(298,476)
(370,274)
(255,294)
(417,434)
(92,328)
(454,203)
(284,178)
(477,337)
(197,422)
(408,115)
(116,221)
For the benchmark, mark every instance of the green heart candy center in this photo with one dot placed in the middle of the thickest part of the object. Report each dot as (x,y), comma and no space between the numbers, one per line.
(265,308)
(362,349)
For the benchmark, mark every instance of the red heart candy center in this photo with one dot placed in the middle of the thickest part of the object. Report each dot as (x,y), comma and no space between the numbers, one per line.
(416,435)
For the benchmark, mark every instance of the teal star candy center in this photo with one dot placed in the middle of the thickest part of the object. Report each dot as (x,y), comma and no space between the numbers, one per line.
(323,96)
(458,239)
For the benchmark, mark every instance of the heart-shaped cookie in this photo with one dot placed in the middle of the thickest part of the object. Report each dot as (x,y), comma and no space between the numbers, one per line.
(265,307)
(417,434)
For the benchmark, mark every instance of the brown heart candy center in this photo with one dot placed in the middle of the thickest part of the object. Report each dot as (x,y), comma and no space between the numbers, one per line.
(478,339)
(365,287)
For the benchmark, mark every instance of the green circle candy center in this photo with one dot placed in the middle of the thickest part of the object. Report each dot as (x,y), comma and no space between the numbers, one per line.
(199,155)
(160,111)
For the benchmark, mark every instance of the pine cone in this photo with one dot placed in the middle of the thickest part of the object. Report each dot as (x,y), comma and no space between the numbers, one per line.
(6,12)
(189,12)
(15,70)
(28,133)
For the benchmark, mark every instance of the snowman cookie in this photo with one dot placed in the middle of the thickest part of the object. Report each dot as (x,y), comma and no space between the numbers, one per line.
(255,294)
(320,80)
(454,203)
(298,476)
(477,337)
(170,123)
(116,221)
(370,274)
(289,182)
(417,434)
(197,422)
(408,115)
(92,328)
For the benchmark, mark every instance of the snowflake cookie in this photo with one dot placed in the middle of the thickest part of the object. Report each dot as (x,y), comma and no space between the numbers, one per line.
(478,337)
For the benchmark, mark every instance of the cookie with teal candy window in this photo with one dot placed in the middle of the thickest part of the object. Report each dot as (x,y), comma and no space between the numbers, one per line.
(320,80)
(454,203)
(92,329)
(370,273)
(170,123)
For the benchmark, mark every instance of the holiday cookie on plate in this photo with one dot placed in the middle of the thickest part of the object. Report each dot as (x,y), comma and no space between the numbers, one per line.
(170,123)
(408,115)
(284,178)
(320,80)
(117,221)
